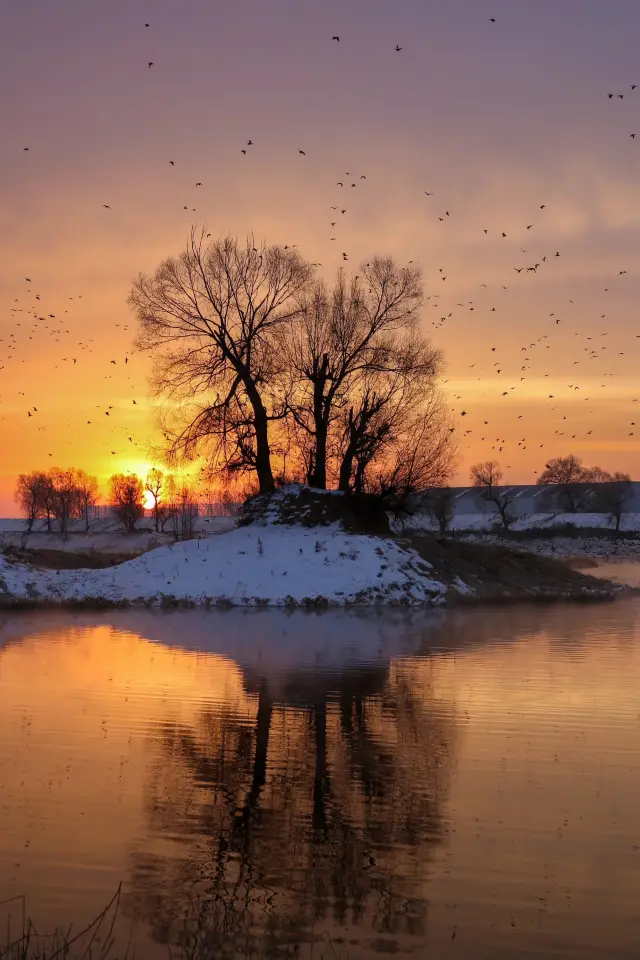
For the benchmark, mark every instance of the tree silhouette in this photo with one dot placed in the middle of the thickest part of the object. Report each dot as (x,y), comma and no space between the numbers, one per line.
(325,803)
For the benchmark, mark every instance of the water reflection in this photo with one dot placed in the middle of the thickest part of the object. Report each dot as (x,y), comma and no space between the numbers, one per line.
(464,780)
(321,809)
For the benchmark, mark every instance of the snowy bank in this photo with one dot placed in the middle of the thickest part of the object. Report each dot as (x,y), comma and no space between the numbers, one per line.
(252,565)
(302,547)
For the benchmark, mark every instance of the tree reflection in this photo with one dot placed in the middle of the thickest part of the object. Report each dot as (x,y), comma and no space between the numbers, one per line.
(316,809)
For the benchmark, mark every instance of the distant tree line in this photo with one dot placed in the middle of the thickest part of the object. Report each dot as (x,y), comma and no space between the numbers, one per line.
(267,371)
(56,495)
(60,496)
(569,487)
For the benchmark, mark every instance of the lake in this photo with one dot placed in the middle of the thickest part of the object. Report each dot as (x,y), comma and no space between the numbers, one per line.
(349,784)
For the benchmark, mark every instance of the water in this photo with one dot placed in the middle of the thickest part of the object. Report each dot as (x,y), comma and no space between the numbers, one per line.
(457,784)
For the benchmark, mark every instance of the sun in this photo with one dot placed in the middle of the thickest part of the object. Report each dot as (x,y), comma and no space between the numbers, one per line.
(149,502)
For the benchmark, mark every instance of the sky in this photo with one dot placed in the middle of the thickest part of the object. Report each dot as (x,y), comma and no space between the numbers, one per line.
(506,124)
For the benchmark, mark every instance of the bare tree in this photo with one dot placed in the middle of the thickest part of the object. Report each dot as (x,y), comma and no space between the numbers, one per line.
(29,496)
(182,508)
(154,485)
(126,496)
(613,497)
(48,499)
(341,336)
(439,506)
(568,479)
(486,477)
(392,405)
(87,490)
(418,458)
(210,317)
(65,497)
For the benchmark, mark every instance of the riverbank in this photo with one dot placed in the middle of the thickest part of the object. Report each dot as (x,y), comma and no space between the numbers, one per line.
(294,566)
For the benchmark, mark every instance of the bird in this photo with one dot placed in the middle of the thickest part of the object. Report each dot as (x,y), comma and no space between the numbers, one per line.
(398,49)
(172,162)
(302,152)
(150,63)
(106,206)
(492,19)
(198,184)
(336,38)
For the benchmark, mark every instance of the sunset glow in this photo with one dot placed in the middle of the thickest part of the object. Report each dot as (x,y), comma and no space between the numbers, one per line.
(472,130)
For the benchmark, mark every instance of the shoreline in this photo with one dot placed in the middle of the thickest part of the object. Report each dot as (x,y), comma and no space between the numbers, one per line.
(437,574)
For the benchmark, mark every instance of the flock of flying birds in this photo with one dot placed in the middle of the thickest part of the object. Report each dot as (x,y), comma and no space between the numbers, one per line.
(34,319)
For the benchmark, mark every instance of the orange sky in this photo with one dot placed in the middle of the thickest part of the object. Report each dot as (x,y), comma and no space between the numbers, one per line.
(494,119)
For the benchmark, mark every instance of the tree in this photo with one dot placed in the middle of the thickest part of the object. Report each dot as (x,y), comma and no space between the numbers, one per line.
(342,335)
(486,477)
(439,506)
(87,488)
(613,496)
(29,496)
(182,508)
(210,317)
(154,485)
(417,458)
(569,478)
(65,496)
(126,496)
(48,498)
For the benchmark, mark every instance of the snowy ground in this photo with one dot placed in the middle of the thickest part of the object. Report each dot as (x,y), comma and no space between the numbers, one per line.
(485,521)
(105,535)
(254,565)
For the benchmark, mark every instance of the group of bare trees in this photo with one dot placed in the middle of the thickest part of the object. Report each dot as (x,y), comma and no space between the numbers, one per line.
(71,494)
(265,370)
(568,486)
(571,487)
(56,494)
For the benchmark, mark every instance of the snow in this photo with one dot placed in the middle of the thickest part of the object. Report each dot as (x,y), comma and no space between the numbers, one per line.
(486,521)
(252,565)
(104,536)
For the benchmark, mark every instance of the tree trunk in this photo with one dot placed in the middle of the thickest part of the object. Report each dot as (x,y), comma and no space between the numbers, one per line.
(318,478)
(263,453)
(344,480)
(156,513)
(358,480)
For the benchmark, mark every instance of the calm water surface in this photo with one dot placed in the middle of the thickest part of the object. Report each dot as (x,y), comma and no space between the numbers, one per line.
(459,784)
